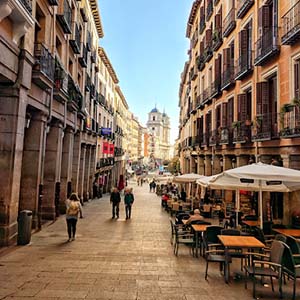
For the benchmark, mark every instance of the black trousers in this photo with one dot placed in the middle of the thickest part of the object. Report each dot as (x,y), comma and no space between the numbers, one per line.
(115,210)
(71,223)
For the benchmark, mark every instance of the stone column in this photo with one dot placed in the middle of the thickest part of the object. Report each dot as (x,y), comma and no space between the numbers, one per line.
(66,167)
(86,195)
(81,171)
(12,122)
(227,163)
(92,170)
(76,162)
(32,162)
(208,166)
(192,165)
(200,165)
(52,172)
(216,165)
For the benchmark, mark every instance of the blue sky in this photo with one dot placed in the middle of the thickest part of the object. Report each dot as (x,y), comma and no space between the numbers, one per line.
(145,42)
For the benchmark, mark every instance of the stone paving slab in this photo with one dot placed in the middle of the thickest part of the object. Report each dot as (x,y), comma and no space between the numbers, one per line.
(116,259)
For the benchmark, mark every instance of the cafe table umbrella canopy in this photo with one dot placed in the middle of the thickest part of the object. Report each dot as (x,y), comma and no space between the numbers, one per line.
(255,177)
(187,178)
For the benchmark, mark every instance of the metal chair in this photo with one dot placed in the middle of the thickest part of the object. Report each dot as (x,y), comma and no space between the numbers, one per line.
(295,248)
(184,238)
(268,266)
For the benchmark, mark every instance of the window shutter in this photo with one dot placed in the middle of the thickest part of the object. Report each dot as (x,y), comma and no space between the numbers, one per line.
(242,107)
(201,47)
(243,35)
(226,58)
(208,37)
(218,68)
(218,116)
(262,98)
(201,12)
(224,115)
(265,17)
(200,126)
(230,112)
(218,21)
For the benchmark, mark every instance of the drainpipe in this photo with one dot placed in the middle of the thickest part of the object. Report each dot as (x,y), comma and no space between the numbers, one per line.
(256,153)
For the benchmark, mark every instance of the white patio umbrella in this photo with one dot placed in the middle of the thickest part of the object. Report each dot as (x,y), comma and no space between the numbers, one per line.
(256,177)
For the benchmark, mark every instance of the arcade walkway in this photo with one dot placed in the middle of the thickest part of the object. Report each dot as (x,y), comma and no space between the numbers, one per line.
(113,259)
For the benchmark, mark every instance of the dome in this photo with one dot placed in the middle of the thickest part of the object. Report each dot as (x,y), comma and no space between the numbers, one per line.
(154,110)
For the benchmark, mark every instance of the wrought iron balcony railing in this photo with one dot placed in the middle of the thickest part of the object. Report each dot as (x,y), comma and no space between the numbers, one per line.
(75,41)
(205,139)
(196,141)
(227,77)
(65,17)
(265,127)
(213,137)
(209,9)
(74,93)
(229,23)
(60,77)
(88,82)
(291,25)
(93,56)
(266,46)
(290,122)
(27,4)
(217,39)
(215,88)
(202,24)
(208,54)
(244,64)
(44,62)
(242,7)
(53,2)
(225,135)
(83,59)
(200,60)
(241,133)
(89,41)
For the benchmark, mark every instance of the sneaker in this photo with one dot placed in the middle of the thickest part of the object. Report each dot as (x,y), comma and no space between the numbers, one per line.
(69,240)
(73,238)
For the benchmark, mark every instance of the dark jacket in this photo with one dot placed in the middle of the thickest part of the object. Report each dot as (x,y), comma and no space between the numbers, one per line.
(115,197)
(128,199)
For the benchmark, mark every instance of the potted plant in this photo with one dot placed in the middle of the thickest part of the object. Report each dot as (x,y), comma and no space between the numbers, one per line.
(236,124)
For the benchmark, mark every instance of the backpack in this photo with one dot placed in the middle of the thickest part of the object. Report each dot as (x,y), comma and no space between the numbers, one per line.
(73,209)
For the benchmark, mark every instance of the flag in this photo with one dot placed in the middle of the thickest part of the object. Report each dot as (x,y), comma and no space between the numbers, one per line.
(105,148)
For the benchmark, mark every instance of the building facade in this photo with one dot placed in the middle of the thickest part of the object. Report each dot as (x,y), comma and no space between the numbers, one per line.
(158,126)
(239,88)
(57,109)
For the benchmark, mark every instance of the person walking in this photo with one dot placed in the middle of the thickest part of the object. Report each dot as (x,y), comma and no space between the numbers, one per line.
(128,201)
(115,199)
(73,208)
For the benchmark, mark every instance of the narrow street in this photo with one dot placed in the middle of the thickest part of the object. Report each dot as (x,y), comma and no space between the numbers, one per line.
(112,259)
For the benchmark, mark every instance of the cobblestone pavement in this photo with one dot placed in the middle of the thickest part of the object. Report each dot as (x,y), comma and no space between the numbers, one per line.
(114,259)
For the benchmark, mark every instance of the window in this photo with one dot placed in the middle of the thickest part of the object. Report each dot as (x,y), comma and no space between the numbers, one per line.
(153,128)
(296,87)
(153,118)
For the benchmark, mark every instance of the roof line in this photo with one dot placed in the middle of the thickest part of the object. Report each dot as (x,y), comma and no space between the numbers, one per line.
(108,64)
(193,13)
(118,89)
(97,18)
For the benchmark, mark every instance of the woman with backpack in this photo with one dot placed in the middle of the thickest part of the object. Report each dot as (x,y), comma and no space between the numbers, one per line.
(73,208)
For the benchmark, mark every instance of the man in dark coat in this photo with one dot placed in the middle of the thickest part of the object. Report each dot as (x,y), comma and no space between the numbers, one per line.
(115,199)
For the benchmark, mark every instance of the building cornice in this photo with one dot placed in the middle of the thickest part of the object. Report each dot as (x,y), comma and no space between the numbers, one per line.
(97,19)
(118,89)
(192,16)
(108,64)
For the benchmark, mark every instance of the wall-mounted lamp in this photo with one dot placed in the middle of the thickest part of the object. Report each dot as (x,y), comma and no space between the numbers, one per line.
(27,120)
(233,162)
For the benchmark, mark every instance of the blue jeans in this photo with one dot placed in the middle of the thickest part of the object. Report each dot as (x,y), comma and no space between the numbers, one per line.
(128,211)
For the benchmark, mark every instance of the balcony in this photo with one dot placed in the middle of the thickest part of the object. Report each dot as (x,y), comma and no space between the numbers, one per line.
(209,9)
(84,14)
(290,122)
(102,100)
(27,4)
(200,62)
(75,100)
(215,88)
(43,69)
(75,41)
(213,137)
(92,91)
(194,39)
(241,133)
(242,7)
(89,41)
(205,139)
(291,25)
(64,17)
(229,23)
(193,73)
(266,46)
(217,39)
(208,54)
(227,78)
(265,127)
(87,83)
(244,65)
(83,59)
(104,162)
(196,141)
(202,24)
(225,136)
(60,92)
(53,2)
(93,56)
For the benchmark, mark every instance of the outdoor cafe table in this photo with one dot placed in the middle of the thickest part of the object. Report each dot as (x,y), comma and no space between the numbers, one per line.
(251,223)
(292,232)
(237,242)
(198,228)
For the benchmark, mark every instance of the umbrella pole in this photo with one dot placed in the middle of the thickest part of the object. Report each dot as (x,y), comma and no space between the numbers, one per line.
(260,205)
(237,207)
